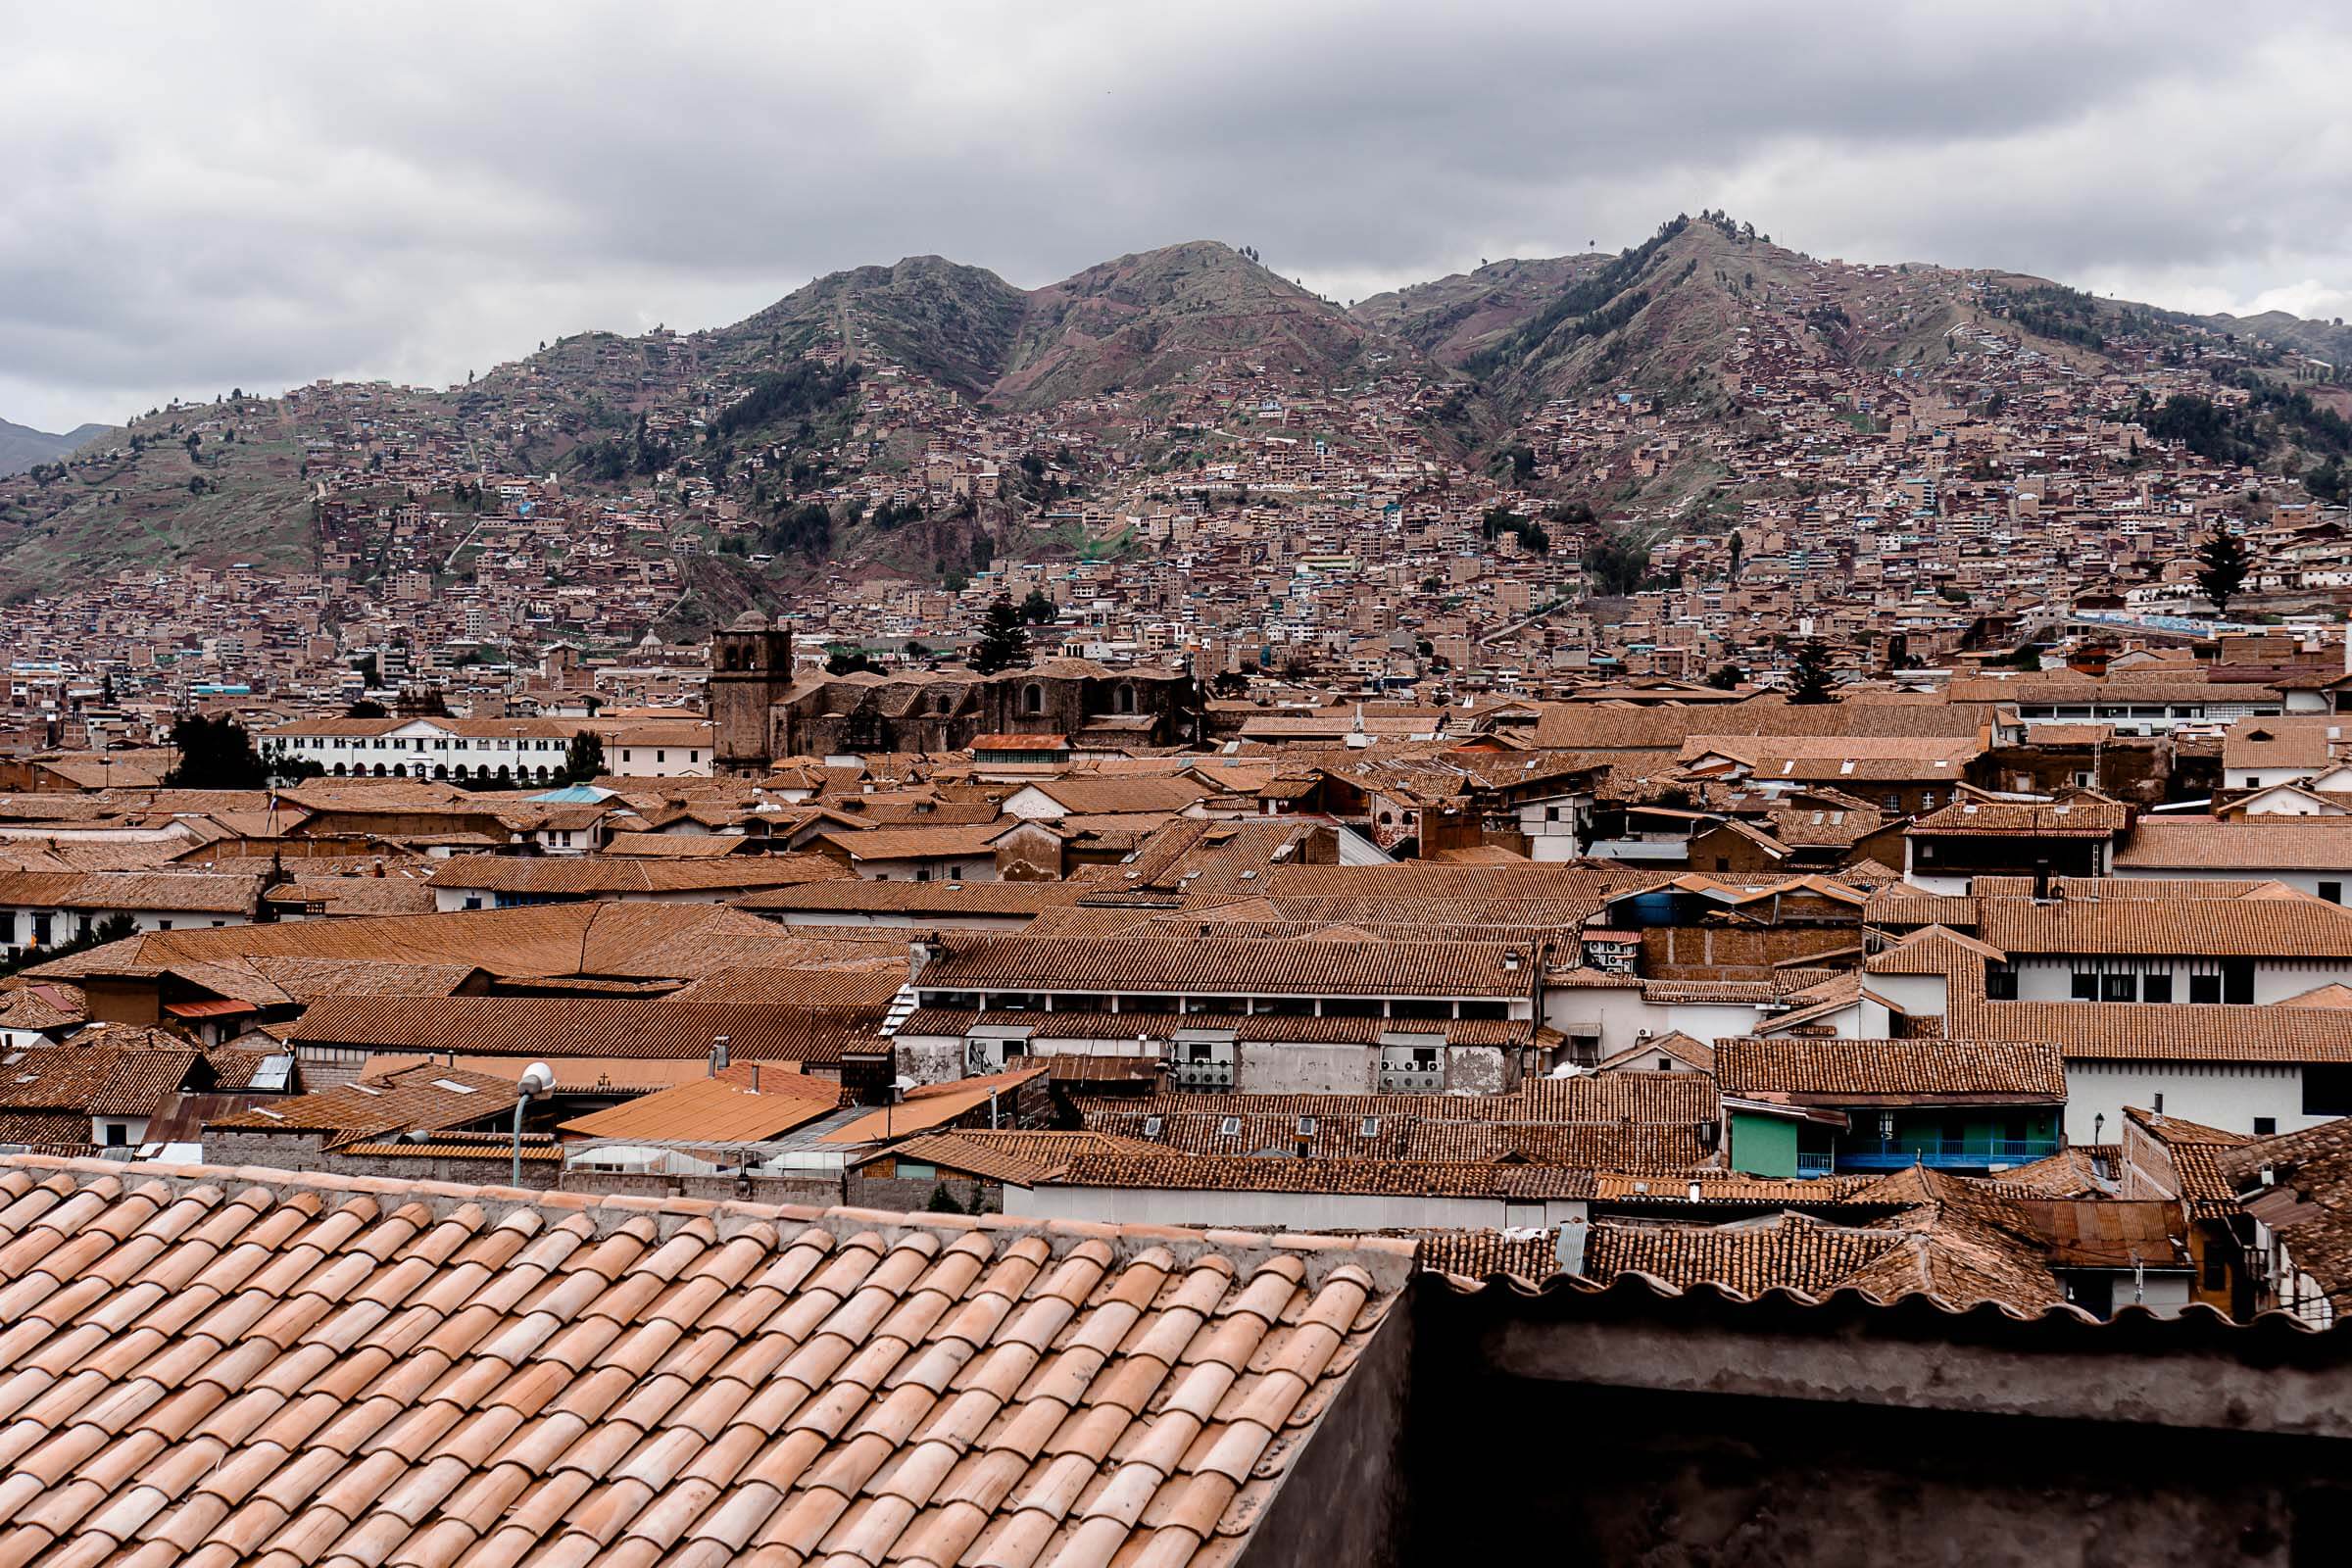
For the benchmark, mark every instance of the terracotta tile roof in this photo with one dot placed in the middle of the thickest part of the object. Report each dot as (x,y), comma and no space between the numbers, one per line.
(853,895)
(2168,1031)
(1934,950)
(1482,1253)
(1577,1145)
(1898,905)
(1703,1186)
(2095,820)
(2185,1161)
(93,1077)
(1266,1026)
(1244,1173)
(726,1108)
(2308,1200)
(1637,1096)
(633,939)
(2254,844)
(432,1099)
(2208,927)
(609,876)
(1234,966)
(601,1026)
(1021,1157)
(917,842)
(1865,1070)
(1785,1250)
(868,982)
(103,892)
(409,1372)
(1639,1056)
(310,979)
(42,1008)
(2079,1170)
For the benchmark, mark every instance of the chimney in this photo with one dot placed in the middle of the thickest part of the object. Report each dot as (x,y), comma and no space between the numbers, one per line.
(2042,881)
(719,1055)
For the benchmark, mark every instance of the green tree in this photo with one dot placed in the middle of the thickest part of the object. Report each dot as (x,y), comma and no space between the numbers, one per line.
(848,662)
(1811,675)
(1004,639)
(1616,567)
(584,757)
(215,754)
(1727,677)
(2222,567)
(1037,610)
(366,707)
(1738,549)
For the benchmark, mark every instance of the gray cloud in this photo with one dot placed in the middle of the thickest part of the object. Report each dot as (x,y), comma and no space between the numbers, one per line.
(260,194)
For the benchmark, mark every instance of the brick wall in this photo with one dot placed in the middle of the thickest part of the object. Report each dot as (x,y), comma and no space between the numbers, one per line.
(1720,953)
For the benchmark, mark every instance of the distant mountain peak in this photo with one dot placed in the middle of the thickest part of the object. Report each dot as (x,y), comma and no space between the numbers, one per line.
(21,447)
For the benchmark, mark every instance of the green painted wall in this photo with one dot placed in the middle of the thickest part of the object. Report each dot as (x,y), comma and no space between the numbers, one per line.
(1763,1145)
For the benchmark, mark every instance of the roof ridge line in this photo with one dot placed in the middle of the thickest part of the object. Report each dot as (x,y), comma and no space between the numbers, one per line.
(1389,1262)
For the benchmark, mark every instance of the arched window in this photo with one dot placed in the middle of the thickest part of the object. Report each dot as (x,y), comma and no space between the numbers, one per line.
(440,770)
(379,770)
(460,774)
(1125,700)
(339,771)
(1032,699)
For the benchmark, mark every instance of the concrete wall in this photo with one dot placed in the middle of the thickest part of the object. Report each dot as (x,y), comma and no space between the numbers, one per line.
(1298,1067)
(2219,1093)
(930,1058)
(1691,1432)
(1920,996)
(1356,1455)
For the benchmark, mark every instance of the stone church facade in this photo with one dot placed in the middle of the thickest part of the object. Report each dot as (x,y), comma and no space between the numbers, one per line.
(760,712)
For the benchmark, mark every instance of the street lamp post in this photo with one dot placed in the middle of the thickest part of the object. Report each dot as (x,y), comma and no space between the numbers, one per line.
(537,1079)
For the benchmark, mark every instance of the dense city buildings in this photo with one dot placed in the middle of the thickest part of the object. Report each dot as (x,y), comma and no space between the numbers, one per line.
(814,943)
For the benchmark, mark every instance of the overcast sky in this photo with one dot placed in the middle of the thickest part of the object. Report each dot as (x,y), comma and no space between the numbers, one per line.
(207,196)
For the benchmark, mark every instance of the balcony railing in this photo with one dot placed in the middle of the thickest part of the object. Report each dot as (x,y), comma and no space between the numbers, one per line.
(1896,1154)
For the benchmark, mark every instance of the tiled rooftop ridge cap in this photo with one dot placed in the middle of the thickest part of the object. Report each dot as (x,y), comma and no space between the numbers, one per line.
(1387,1262)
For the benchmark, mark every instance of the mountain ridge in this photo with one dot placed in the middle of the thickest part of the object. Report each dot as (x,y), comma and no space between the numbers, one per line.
(1668,316)
(23,447)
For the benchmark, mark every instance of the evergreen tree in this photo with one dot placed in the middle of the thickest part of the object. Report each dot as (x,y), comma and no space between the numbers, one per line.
(1004,639)
(1812,674)
(215,754)
(1037,610)
(583,759)
(1727,677)
(2222,564)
